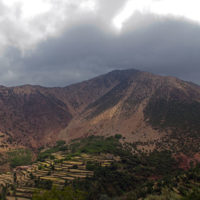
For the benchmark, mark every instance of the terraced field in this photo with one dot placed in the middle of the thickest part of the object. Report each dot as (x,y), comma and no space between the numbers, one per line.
(25,180)
(97,167)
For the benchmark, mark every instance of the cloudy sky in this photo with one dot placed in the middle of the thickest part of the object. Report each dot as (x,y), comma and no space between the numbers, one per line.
(59,42)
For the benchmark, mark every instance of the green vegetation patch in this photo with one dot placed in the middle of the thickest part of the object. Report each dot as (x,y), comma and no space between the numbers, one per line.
(97,145)
(19,157)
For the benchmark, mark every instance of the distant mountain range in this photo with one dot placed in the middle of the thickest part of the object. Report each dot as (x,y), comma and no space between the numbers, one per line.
(155,111)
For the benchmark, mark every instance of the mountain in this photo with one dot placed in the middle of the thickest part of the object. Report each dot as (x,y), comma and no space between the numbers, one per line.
(154,111)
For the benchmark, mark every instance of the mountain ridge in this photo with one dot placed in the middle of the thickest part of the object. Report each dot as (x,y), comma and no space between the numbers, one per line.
(121,101)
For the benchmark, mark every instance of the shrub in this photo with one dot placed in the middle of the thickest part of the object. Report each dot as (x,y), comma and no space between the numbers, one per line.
(19,157)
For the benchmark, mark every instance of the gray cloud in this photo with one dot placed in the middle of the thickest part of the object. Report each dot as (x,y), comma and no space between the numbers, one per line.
(90,46)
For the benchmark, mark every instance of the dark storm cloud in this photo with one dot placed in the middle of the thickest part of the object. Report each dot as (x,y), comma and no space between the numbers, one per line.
(167,46)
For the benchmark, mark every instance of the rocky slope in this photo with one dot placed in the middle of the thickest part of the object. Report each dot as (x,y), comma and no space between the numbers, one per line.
(141,106)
